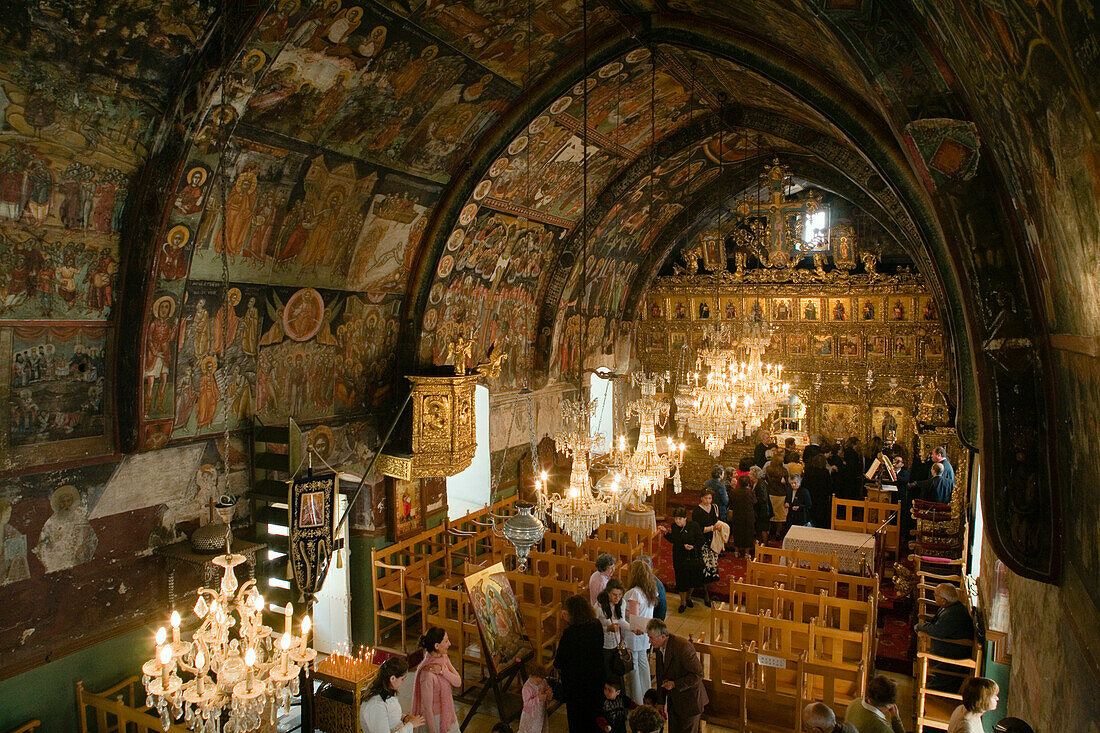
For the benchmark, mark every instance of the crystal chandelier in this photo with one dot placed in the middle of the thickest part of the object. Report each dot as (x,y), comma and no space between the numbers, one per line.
(643,473)
(580,510)
(236,684)
(727,398)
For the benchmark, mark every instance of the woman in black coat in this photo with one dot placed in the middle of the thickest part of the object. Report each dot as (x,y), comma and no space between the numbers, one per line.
(816,480)
(582,678)
(687,562)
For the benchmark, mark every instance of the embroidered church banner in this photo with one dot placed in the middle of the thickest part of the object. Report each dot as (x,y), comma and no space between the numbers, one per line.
(312,504)
(497,613)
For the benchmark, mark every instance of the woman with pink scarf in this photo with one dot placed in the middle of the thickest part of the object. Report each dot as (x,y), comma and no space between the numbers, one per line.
(435,678)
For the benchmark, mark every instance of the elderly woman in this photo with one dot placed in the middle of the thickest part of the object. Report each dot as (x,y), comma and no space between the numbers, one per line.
(706,516)
(687,542)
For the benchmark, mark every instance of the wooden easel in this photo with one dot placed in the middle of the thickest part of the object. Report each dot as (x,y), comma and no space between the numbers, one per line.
(498,682)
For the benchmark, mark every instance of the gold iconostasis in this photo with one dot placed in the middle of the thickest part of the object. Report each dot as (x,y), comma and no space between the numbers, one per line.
(859,349)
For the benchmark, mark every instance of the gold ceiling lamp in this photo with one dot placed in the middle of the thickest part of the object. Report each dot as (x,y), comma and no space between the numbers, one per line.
(579,511)
(732,391)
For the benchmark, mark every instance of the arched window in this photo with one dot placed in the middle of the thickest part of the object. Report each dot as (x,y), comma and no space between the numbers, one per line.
(472,489)
(602,390)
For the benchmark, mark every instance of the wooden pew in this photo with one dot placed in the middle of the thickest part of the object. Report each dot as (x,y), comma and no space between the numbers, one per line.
(723,676)
(865,516)
(753,690)
(782,637)
(541,621)
(796,558)
(839,613)
(839,585)
(834,685)
(119,709)
(771,698)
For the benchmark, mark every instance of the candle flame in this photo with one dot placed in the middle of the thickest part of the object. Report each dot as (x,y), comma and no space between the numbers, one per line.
(284,642)
(306,625)
(200,660)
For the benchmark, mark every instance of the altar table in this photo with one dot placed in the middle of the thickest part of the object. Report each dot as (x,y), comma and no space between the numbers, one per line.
(643,520)
(855,551)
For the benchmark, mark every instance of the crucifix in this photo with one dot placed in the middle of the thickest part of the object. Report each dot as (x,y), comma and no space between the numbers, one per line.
(779,238)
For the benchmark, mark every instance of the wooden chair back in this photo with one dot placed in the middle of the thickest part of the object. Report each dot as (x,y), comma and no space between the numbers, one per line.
(865,516)
(119,709)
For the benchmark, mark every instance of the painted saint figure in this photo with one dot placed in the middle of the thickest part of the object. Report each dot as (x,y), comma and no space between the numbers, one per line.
(67,538)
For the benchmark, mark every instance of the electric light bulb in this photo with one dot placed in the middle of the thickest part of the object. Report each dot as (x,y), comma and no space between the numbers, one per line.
(161,636)
(284,641)
(200,661)
(165,654)
(175,619)
(250,657)
(258,602)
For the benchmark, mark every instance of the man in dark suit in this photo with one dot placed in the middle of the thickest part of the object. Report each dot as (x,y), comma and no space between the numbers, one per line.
(939,455)
(952,621)
(679,678)
(934,489)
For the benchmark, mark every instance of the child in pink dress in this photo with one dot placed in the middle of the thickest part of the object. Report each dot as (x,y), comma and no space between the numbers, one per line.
(435,678)
(536,694)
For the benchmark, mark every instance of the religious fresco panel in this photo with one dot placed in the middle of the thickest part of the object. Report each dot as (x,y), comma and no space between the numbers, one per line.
(59,392)
(485,286)
(77,544)
(504,38)
(369,85)
(218,343)
(386,246)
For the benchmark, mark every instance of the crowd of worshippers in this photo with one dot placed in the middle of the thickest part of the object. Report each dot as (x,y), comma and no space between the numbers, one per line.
(779,487)
(602,674)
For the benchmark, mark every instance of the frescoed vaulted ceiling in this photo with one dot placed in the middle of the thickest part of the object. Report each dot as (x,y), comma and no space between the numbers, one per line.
(215,212)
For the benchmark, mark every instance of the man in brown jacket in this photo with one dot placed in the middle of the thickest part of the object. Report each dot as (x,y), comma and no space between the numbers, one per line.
(679,678)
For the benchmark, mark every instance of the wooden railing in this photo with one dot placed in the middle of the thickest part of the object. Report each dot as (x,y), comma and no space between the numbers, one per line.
(119,709)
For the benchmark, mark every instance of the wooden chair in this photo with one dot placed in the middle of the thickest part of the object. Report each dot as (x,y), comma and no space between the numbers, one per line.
(934,707)
(30,726)
(865,516)
(119,709)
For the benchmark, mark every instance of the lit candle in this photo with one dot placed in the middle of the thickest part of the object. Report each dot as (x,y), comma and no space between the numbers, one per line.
(249,661)
(284,644)
(165,660)
(306,625)
(200,663)
(289,611)
(175,629)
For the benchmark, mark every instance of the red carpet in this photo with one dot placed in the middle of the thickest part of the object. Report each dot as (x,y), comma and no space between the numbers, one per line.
(895,634)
